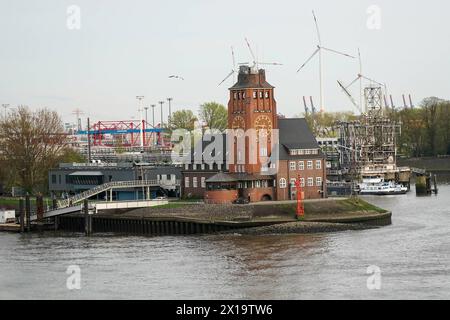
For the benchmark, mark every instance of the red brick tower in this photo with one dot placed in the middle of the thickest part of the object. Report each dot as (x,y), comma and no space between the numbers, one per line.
(252,106)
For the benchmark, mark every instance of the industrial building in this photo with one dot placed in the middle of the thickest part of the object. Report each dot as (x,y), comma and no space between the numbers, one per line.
(73,178)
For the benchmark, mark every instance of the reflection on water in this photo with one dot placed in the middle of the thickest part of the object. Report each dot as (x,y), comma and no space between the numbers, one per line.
(413,255)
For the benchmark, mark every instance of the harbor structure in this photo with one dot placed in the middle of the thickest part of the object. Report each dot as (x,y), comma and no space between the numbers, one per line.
(252,106)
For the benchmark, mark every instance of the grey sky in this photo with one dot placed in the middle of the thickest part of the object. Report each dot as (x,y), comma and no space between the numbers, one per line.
(129,48)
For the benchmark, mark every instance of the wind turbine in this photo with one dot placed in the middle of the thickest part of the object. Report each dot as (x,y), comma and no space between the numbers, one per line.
(233,69)
(319,51)
(256,63)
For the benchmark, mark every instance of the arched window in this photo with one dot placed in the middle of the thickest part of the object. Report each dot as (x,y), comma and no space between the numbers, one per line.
(282,183)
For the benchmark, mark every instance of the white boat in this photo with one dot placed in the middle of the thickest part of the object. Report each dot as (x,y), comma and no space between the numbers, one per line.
(377,186)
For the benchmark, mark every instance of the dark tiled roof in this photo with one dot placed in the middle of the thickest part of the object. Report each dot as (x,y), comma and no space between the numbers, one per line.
(295,134)
(222,177)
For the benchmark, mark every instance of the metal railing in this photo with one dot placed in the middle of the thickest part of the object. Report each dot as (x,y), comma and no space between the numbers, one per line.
(104,187)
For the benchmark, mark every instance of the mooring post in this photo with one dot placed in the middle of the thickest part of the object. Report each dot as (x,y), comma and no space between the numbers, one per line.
(39,207)
(87,219)
(28,212)
(435,184)
(22,215)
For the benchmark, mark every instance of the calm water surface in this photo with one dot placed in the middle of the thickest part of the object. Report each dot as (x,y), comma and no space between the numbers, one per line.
(413,255)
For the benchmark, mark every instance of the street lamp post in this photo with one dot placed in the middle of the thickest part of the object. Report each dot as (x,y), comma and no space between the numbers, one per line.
(140,98)
(161,103)
(153,113)
(169,119)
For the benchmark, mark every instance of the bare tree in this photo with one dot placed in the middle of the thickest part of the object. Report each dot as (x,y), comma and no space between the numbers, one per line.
(31,142)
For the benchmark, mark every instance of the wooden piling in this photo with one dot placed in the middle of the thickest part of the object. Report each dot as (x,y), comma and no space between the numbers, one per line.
(28,212)
(87,219)
(22,215)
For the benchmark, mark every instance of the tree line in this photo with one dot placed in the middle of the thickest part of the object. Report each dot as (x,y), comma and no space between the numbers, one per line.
(425,130)
(31,143)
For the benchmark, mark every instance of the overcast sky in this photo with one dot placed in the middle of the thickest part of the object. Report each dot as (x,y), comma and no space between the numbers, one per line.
(128,48)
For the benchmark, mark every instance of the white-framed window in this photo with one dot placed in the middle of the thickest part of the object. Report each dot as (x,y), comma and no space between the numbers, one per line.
(308,151)
(203,182)
(318,164)
(318,181)
(273,165)
(310,182)
(186,166)
(282,183)
(301,151)
(292,165)
(203,166)
(263,152)
(261,94)
(194,166)
(266,94)
(243,95)
(194,182)
(258,184)
(254,94)
(302,182)
(186,182)
(301,165)
(310,164)
(211,166)
(235,96)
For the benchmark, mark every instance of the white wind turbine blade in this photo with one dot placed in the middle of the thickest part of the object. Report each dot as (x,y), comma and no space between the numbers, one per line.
(271,63)
(317,28)
(229,75)
(371,80)
(338,52)
(351,83)
(233,58)
(309,59)
(251,51)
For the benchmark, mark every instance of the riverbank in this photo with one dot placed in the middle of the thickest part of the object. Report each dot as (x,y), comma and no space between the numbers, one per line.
(325,215)
(435,165)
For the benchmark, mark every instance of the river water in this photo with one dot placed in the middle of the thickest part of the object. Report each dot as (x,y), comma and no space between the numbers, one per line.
(413,257)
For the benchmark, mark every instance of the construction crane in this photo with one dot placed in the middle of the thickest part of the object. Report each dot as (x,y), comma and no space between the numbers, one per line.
(319,51)
(350,97)
(306,106)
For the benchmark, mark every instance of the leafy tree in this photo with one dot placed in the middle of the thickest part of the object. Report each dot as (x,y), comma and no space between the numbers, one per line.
(183,119)
(214,115)
(31,142)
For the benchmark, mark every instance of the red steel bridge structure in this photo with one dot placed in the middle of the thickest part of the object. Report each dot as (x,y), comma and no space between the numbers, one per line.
(126,133)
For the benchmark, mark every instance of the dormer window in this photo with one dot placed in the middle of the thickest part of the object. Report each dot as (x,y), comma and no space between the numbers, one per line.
(254,94)
(261,94)
(266,94)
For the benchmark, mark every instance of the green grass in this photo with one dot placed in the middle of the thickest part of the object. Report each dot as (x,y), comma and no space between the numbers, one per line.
(11,203)
(171,205)
(332,207)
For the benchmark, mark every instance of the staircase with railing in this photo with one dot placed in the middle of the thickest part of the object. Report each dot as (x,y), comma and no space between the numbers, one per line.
(105,187)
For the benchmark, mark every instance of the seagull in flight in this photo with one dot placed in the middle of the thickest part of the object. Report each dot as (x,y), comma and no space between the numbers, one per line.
(176,77)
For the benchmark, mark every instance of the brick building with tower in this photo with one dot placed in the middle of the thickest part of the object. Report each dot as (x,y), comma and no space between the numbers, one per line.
(293,154)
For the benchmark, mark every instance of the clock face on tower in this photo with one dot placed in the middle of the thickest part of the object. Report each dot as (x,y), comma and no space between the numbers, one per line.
(238,123)
(263,123)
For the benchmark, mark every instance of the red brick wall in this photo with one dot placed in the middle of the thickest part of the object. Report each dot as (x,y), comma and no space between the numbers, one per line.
(256,194)
(191,191)
(313,192)
(221,196)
